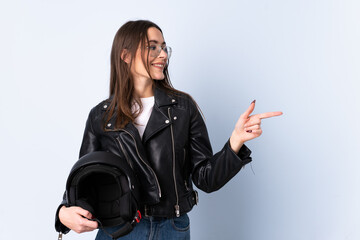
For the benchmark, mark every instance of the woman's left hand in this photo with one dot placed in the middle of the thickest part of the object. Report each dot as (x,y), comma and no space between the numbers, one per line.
(248,127)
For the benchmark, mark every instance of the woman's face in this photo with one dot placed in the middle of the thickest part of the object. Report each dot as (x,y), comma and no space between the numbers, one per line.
(156,63)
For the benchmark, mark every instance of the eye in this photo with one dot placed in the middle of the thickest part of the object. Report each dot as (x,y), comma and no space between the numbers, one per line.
(152,47)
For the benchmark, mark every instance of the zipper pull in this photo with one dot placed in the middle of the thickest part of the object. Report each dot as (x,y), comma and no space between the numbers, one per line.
(60,236)
(177,210)
(186,186)
(146,211)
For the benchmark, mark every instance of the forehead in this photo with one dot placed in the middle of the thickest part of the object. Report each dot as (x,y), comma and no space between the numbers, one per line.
(155,35)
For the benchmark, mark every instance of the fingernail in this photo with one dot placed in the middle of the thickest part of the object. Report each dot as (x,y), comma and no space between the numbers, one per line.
(249,131)
(253,101)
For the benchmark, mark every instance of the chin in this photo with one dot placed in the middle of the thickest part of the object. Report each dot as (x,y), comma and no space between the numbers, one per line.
(158,77)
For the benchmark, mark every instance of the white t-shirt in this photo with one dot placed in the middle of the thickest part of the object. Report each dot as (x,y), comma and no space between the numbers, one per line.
(143,118)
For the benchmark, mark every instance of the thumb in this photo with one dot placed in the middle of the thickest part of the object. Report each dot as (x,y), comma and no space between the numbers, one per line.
(83,212)
(248,111)
(245,116)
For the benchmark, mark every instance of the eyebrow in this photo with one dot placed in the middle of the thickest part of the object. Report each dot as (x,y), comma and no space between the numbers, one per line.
(156,41)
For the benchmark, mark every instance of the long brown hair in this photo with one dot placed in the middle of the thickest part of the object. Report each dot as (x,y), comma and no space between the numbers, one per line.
(128,38)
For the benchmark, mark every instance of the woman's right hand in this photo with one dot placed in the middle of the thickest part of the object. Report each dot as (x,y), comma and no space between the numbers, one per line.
(77,219)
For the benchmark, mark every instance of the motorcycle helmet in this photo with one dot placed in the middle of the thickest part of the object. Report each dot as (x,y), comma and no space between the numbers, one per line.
(104,184)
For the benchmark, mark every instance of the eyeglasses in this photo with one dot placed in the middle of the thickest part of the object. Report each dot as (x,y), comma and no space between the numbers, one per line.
(155,50)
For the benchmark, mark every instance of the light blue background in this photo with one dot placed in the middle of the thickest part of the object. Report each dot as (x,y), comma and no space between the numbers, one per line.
(299,56)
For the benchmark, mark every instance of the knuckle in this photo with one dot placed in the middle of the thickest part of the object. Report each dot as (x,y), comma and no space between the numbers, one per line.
(82,229)
(80,223)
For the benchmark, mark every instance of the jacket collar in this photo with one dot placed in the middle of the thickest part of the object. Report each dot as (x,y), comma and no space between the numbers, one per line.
(158,120)
(162,98)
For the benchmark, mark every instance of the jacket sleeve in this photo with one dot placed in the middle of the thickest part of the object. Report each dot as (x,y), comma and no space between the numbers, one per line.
(210,172)
(89,144)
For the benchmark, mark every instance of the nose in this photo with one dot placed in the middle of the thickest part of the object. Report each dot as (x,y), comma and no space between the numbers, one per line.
(162,54)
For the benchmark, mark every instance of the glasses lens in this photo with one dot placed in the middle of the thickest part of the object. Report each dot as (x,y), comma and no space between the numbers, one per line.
(155,50)
(168,50)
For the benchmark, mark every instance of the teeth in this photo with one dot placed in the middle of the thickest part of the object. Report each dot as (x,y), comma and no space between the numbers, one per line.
(159,65)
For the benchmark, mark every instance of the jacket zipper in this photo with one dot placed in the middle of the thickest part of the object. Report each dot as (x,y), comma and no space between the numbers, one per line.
(177,208)
(126,156)
(157,181)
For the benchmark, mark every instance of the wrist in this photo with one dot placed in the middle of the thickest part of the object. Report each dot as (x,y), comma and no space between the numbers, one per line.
(235,143)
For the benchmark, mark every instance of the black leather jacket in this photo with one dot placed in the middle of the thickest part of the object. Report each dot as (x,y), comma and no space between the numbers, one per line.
(174,152)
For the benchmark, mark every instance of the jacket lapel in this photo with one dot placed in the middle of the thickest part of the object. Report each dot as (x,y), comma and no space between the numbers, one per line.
(158,119)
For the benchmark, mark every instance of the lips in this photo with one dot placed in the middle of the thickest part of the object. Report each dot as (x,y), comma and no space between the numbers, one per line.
(158,65)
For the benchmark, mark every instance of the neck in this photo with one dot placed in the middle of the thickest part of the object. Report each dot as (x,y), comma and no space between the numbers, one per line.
(143,88)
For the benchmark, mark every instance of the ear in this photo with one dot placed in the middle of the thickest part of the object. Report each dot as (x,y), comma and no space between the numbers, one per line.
(125,56)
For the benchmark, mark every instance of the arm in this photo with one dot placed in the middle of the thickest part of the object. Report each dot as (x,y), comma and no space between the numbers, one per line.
(74,218)
(211,172)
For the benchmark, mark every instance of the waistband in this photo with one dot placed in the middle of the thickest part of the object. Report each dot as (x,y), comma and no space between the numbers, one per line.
(159,211)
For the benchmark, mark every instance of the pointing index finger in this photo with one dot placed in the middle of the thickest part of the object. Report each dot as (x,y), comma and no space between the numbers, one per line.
(269,114)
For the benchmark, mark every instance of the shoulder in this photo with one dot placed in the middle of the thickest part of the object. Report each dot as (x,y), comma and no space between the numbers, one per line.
(102,106)
(182,99)
(185,101)
(99,110)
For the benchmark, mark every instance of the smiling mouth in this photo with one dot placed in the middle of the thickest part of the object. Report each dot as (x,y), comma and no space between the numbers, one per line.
(158,65)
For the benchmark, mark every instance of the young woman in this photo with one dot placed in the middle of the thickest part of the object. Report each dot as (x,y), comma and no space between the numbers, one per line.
(171,131)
